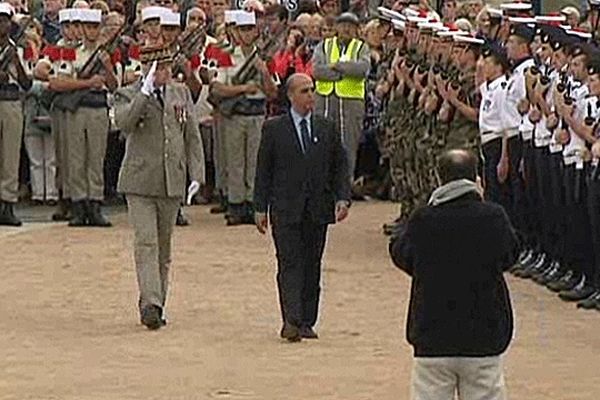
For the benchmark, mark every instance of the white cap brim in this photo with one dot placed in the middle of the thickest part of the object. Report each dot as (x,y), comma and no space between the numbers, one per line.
(583,35)
(515,6)
(468,39)
(522,20)
(550,18)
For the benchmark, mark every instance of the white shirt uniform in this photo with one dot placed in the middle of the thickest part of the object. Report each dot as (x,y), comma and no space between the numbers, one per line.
(517,91)
(492,109)
(579,93)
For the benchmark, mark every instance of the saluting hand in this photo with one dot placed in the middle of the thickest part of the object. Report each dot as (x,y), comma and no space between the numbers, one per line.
(262,222)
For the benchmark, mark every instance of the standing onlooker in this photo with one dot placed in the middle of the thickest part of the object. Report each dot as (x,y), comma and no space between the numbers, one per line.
(38,138)
(50,20)
(460,317)
(573,16)
(340,67)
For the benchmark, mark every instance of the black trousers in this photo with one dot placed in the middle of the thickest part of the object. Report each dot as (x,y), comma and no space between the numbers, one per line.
(556,211)
(299,250)
(543,196)
(594,214)
(531,224)
(510,193)
(577,242)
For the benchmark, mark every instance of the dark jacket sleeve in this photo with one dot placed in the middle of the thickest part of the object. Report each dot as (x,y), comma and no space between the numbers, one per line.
(401,248)
(340,169)
(264,169)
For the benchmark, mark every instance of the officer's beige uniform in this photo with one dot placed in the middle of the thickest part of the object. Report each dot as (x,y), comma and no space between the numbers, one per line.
(241,137)
(11,135)
(163,144)
(86,137)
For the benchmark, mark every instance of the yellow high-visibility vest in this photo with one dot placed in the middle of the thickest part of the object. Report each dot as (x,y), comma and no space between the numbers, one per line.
(348,87)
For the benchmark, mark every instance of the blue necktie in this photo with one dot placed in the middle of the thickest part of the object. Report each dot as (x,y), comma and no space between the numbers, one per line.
(305,135)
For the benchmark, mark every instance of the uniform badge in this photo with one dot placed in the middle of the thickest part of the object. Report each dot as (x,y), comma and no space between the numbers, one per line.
(180,113)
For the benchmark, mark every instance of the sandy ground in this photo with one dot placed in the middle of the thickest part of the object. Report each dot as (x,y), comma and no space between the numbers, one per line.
(69,327)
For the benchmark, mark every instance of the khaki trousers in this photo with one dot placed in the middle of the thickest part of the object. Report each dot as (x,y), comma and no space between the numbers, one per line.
(86,138)
(242,139)
(220,157)
(152,219)
(42,166)
(60,142)
(11,135)
(470,378)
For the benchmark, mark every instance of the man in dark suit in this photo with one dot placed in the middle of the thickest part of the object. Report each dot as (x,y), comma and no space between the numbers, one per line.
(460,317)
(302,179)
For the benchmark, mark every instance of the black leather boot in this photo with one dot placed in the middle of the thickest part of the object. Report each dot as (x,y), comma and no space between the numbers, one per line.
(236,214)
(581,291)
(95,217)
(63,211)
(7,215)
(78,214)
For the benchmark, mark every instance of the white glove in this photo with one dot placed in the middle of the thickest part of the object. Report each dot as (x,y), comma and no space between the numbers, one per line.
(191,192)
(148,84)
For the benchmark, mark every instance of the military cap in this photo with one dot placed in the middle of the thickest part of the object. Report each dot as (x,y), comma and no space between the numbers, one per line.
(389,15)
(523,31)
(579,33)
(498,52)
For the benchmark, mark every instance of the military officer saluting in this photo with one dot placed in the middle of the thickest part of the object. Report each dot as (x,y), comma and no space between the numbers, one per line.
(13,79)
(163,147)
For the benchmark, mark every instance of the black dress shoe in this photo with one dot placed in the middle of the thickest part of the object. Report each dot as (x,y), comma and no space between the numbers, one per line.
(580,292)
(218,209)
(7,216)
(151,317)
(291,333)
(181,219)
(567,282)
(553,274)
(308,332)
(533,268)
(590,302)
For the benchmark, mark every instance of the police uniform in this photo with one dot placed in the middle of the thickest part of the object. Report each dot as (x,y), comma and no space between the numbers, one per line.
(163,147)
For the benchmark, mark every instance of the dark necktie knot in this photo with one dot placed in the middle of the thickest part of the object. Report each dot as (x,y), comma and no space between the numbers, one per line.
(158,94)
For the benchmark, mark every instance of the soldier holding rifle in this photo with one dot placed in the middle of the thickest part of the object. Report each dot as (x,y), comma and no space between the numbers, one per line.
(243,89)
(87,121)
(13,81)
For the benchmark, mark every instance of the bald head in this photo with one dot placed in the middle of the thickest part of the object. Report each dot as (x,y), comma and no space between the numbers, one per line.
(457,164)
(300,90)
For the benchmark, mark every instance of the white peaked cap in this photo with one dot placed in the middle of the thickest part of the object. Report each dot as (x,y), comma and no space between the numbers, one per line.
(153,12)
(522,20)
(398,24)
(468,39)
(65,15)
(245,18)
(581,34)
(550,18)
(170,19)
(89,15)
(452,33)
(516,6)
(7,9)
(390,14)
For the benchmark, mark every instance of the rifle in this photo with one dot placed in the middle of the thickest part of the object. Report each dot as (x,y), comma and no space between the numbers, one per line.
(189,44)
(7,52)
(92,66)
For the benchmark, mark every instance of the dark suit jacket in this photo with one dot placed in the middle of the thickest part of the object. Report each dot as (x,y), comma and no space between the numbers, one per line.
(289,182)
(459,302)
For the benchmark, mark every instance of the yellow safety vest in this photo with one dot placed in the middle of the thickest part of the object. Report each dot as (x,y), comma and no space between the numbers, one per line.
(348,87)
